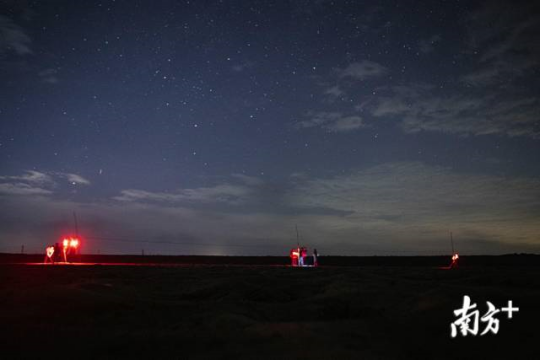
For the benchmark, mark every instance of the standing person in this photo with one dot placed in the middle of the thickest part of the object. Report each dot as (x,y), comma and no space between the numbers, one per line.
(49,255)
(300,256)
(56,253)
(315,256)
(455,258)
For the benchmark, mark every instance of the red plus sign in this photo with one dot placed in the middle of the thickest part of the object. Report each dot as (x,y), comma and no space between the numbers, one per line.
(510,309)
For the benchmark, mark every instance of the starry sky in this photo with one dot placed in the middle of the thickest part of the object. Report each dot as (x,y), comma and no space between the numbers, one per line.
(214,127)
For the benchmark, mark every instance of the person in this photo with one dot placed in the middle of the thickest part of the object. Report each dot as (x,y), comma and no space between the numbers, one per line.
(455,258)
(49,255)
(301,253)
(315,255)
(57,253)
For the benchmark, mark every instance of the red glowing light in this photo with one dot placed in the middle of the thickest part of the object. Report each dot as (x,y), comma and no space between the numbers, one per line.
(74,243)
(66,243)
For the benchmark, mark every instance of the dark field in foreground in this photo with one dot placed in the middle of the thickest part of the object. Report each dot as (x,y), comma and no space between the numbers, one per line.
(262,312)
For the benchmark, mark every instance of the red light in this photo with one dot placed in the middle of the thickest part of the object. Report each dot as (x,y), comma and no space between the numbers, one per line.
(74,243)
(66,243)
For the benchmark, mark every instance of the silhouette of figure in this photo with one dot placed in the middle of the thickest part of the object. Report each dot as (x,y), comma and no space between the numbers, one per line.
(49,255)
(56,252)
(315,256)
(454,263)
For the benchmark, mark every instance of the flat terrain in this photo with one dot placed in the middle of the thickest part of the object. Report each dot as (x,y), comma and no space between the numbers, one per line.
(262,312)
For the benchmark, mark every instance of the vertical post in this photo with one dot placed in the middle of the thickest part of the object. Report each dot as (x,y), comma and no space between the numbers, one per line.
(22,249)
(76,224)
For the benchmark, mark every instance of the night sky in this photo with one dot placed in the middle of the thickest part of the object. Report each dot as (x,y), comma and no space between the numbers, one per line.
(213,127)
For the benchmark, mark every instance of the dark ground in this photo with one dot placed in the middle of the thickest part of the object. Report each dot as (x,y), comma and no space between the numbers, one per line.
(263,312)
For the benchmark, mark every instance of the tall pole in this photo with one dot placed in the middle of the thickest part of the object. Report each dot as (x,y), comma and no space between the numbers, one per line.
(77,249)
(76,224)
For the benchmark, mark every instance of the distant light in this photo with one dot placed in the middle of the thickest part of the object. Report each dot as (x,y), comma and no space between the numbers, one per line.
(74,243)
(66,243)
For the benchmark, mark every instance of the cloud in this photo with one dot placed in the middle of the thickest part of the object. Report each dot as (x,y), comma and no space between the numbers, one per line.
(362,70)
(507,49)
(428,200)
(495,98)
(421,108)
(13,38)
(237,194)
(31,176)
(156,227)
(22,189)
(334,91)
(345,124)
(224,193)
(391,208)
(485,76)
(74,179)
(33,182)
(494,95)
(333,122)
(30,183)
